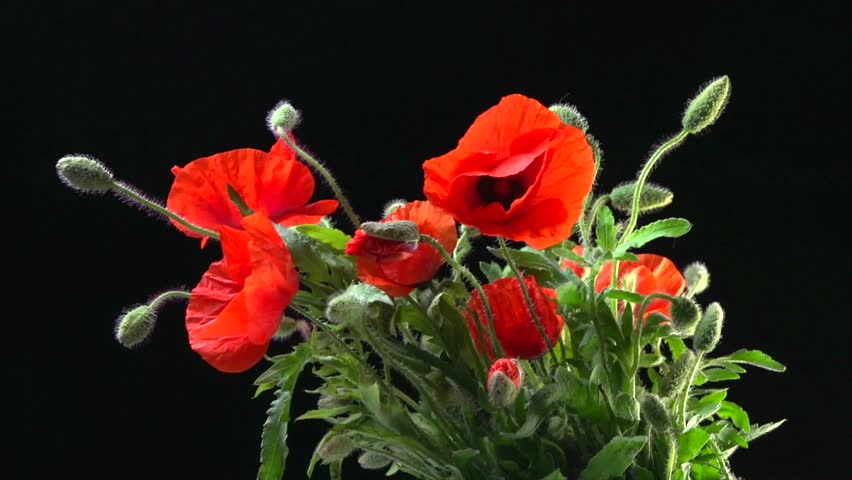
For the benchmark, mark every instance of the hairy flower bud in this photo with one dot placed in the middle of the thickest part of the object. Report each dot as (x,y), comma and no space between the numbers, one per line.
(709,330)
(679,374)
(504,382)
(135,326)
(373,461)
(357,302)
(653,197)
(392,206)
(84,174)
(655,412)
(283,116)
(385,241)
(685,314)
(705,108)
(336,448)
(570,115)
(697,278)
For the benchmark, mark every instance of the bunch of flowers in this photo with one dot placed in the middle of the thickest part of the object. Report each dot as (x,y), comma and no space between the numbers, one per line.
(566,355)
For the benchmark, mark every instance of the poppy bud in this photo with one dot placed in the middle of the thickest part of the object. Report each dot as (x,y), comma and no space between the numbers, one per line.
(653,197)
(570,116)
(679,374)
(396,230)
(392,206)
(355,303)
(135,326)
(289,326)
(504,382)
(685,314)
(697,278)
(336,448)
(654,411)
(705,108)
(385,241)
(84,174)
(373,461)
(283,116)
(709,330)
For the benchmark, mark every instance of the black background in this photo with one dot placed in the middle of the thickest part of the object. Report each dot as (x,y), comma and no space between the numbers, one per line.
(383,86)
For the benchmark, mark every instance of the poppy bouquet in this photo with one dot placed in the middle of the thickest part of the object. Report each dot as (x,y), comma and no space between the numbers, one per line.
(568,353)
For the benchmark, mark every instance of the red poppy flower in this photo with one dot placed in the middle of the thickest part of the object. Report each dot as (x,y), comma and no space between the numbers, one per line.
(238,304)
(387,265)
(518,172)
(650,274)
(513,323)
(273,183)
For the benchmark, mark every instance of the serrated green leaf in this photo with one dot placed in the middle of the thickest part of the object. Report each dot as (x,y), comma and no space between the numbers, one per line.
(760,430)
(756,358)
(273,445)
(491,270)
(677,346)
(605,231)
(719,375)
(541,404)
(627,295)
(614,458)
(323,413)
(736,414)
(669,227)
(690,443)
(318,261)
(328,236)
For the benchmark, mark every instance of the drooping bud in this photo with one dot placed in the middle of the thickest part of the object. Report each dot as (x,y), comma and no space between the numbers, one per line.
(570,116)
(697,278)
(357,302)
(135,326)
(678,376)
(504,382)
(655,412)
(685,314)
(705,108)
(373,461)
(283,116)
(709,330)
(392,206)
(653,197)
(288,327)
(385,241)
(85,174)
(336,448)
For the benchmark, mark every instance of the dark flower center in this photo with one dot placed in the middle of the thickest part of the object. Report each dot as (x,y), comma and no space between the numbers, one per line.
(505,190)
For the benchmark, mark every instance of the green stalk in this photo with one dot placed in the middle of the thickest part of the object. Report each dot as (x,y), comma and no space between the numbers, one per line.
(165,296)
(125,190)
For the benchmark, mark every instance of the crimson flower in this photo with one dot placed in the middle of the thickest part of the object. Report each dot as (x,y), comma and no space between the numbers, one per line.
(650,274)
(398,267)
(238,304)
(518,172)
(274,184)
(513,323)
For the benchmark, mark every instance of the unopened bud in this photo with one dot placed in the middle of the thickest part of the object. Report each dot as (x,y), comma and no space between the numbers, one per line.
(396,230)
(336,448)
(678,376)
(705,108)
(283,116)
(373,461)
(504,382)
(653,197)
(685,314)
(84,174)
(570,116)
(135,326)
(357,302)
(709,330)
(655,412)
(288,327)
(393,206)
(697,278)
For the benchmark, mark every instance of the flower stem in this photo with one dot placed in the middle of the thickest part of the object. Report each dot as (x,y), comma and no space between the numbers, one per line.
(122,189)
(471,279)
(527,298)
(643,177)
(586,226)
(316,165)
(166,296)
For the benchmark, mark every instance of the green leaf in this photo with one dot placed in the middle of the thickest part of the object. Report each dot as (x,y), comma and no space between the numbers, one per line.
(756,358)
(689,444)
(719,375)
(318,261)
(273,445)
(568,294)
(677,346)
(760,430)
(640,473)
(670,227)
(614,458)
(554,475)
(534,262)
(323,413)
(491,270)
(568,254)
(736,414)
(328,236)
(627,295)
(650,360)
(605,232)
(541,404)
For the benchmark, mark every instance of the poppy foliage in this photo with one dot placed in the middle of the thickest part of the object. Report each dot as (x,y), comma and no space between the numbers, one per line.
(518,172)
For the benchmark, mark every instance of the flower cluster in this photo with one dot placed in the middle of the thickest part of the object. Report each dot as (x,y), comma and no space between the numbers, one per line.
(567,355)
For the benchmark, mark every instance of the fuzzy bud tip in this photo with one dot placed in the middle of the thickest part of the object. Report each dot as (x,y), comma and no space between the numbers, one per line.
(697,278)
(654,411)
(570,116)
(652,197)
(685,314)
(504,382)
(709,330)
(283,116)
(393,206)
(85,174)
(336,448)
(135,326)
(707,106)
